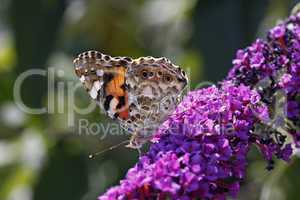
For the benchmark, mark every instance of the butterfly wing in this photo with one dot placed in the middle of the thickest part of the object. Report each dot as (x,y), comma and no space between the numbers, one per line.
(153,85)
(155,80)
(139,93)
(103,77)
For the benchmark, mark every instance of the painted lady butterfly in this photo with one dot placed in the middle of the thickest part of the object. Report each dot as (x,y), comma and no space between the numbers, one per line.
(139,93)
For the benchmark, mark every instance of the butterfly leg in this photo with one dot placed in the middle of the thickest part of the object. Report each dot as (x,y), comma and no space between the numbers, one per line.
(135,142)
(140,152)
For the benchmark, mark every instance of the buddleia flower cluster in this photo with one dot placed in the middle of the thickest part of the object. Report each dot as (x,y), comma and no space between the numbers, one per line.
(200,152)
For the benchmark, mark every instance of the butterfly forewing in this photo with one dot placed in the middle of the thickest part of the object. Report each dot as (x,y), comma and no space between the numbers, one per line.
(103,77)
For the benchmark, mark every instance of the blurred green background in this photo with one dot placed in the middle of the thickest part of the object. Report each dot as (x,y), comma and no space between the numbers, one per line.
(44,156)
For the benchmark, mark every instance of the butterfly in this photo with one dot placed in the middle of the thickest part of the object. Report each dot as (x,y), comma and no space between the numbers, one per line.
(138,93)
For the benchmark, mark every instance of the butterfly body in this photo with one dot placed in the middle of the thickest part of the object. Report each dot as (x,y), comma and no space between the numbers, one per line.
(139,93)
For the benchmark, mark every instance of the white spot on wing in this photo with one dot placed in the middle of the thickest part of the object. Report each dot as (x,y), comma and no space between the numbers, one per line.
(99,72)
(113,104)
(93,93)
(97,85)
(82,79)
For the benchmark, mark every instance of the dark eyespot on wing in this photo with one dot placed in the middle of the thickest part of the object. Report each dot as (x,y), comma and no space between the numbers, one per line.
(107,101)
(122,102)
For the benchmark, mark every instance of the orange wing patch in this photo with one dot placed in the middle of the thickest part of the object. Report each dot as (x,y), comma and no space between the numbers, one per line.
(115,88)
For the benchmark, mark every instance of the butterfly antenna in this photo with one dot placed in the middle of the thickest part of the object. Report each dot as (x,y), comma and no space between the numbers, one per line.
(93,155)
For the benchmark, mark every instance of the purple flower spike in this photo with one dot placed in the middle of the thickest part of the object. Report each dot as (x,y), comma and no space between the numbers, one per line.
(209,163)
(200,152)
